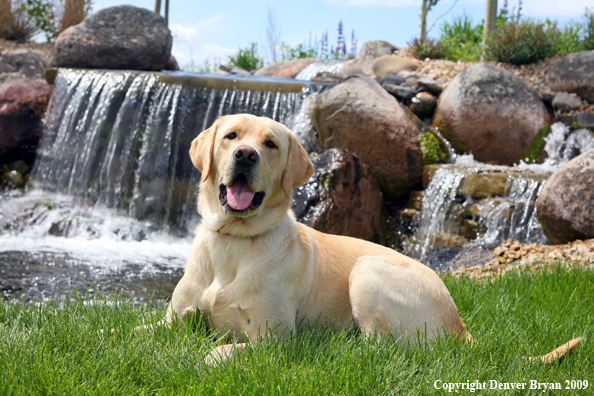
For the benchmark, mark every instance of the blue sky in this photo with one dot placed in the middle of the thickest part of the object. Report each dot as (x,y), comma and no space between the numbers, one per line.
(215,29)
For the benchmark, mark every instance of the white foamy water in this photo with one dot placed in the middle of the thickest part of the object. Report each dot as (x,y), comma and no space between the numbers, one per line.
(38,221)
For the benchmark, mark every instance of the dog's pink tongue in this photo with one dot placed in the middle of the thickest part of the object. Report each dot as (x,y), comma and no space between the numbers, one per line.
(239,194)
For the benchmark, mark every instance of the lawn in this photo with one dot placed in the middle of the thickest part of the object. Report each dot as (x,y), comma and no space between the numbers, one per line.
(56,349)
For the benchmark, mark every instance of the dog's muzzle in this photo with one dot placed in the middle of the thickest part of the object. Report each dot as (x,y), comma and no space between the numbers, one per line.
(238,196)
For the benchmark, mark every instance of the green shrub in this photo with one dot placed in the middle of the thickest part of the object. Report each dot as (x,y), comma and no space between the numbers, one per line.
(588,31)
(247,58)
(461,40)
(522,42)
(15,23)
(288,53)
(568,39)
(427,48)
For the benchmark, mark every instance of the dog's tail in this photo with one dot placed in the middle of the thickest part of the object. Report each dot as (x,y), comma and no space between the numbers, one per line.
(557,354)
(554,356)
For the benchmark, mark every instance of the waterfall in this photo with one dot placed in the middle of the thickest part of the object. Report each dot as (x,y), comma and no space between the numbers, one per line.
(120,139)
(457,214)
(312,70)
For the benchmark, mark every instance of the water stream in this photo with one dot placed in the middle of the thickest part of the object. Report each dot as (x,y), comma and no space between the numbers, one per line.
(112,195)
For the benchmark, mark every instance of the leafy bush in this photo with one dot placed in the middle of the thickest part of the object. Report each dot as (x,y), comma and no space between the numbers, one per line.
(300,51)
(15,23)
(588,29)
(55,16)
(569,39)
(427,48)
(247,58)
(461,40)
(522,42)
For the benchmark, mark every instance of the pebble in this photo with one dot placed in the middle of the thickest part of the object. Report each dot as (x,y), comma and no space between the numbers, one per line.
(512,255)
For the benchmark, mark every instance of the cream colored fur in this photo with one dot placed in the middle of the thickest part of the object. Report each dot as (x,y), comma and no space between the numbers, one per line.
(246,274)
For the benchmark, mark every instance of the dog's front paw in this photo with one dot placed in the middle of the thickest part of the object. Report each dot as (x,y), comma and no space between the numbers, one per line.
(223,354)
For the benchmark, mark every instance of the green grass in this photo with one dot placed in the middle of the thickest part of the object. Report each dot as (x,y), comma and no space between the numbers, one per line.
(51,349)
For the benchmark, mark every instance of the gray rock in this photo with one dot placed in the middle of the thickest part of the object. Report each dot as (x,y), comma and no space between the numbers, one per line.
(392,78)
(122,37)
(234,70)
(370,51)
(565,207)
(492,114)
(400,92)
(565,102)
(342,198)
(573,73)
(22,104)
(28,63)
(431,85)
(360,116)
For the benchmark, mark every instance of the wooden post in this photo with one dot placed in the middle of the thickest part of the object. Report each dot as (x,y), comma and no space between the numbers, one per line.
(490,23)
(166,12)
(158,7)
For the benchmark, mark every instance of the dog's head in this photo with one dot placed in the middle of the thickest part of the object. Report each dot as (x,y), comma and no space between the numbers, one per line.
(249,167)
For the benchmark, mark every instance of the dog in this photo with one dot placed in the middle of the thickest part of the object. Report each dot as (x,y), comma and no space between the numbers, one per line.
(252,268)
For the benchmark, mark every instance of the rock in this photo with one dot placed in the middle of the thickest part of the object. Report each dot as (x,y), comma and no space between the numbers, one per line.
(172,64)
(22,104)
(28,63)
(431,85)
(573,73)
(399,92)
(423,104)
(327,77)
(122,37)
(342,198)
(564,102)
(230,69)
(492,114)
(565,207)
(286,69)
(388,64)
(363,62)
(392,78)
(13,179)
(360,116)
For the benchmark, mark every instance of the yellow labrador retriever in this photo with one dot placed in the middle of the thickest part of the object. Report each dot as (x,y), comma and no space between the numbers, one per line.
(252,267)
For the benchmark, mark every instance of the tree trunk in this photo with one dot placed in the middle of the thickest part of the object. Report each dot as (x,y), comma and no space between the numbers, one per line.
(423,15)
(167,13)
(490,23)
(158,7)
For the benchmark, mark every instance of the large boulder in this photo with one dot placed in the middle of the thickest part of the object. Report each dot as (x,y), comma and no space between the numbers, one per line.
(360,116)
(28,63)
(22,104)
(573,73)
(392,64)
(286,69)
(492,114)
(122,37)
(342,198)
(565,207)
(370,51)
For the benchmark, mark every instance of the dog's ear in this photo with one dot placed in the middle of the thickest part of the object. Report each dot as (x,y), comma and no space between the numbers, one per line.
(202,150)
(299,167)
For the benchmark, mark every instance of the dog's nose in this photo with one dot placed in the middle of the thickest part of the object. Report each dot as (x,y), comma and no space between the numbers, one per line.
(245,155)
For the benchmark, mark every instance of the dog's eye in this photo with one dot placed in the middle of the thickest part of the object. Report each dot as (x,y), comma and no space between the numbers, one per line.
(270,144)
(231,136)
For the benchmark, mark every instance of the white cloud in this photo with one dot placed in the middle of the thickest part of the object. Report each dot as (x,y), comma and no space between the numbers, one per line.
(186,54)
(187,33)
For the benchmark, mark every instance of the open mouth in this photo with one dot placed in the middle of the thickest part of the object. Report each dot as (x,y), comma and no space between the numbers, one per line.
(239,196)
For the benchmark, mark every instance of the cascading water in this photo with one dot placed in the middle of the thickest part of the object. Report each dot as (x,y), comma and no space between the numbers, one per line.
(454,215)
(312,70)
(113,188)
